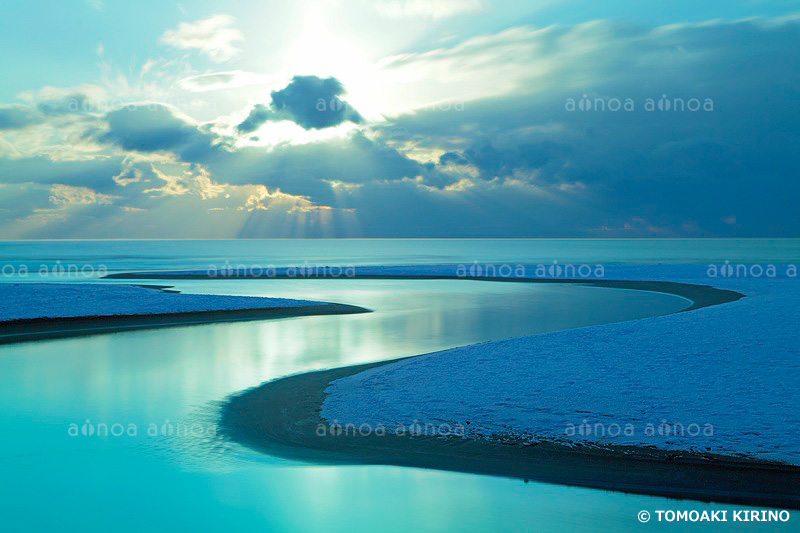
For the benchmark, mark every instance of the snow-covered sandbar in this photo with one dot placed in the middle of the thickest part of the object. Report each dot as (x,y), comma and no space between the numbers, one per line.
(33,311)
(732,370)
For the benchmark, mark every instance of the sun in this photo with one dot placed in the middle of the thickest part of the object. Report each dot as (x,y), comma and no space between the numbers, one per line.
(321,49)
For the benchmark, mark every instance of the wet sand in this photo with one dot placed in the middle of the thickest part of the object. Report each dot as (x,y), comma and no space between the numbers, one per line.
(282,418)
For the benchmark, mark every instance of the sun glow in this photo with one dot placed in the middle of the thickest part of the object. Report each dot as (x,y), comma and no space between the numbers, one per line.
(323,50)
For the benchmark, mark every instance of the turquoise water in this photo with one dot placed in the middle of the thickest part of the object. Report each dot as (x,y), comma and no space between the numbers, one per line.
(175,255)
(56,478)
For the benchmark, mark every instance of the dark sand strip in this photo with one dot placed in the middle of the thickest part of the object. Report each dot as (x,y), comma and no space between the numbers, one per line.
(51,328)
(282,418)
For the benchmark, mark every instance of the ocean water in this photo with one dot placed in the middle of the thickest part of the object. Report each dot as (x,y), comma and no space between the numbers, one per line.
(126,255)
(157,392)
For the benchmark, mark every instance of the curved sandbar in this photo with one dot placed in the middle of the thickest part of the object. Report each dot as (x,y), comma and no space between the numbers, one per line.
(74,317)
(282,418)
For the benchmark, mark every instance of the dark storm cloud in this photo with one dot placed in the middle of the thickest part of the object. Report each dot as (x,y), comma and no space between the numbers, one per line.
(501,159)
(309,101)
(728,171)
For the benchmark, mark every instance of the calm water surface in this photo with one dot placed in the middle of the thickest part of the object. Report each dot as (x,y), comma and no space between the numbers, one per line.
(175,255)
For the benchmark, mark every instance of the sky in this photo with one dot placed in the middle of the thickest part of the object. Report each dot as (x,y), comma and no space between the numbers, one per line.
(400,118)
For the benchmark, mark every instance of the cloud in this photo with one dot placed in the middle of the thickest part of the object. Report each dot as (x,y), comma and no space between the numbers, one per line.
(407,208)
(67,195)
(96,174)
(18,200)
(155,128)
(305,169)
(501,156)
(15,117)
(513,161)
(194,180)
(310,169)
(53,101)
(257,116)
(215,81)
(426,8)
(642,172)
(215,37)
(309,101)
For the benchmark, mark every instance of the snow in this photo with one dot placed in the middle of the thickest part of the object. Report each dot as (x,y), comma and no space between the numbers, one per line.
(62,300)
(731,369)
